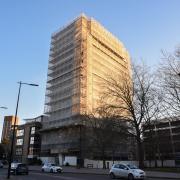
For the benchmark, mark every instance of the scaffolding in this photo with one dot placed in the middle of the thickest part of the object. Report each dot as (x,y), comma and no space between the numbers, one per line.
(81,54)
(66,82)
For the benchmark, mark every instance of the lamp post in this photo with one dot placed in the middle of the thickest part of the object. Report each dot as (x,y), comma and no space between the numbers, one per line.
(3,107)
(13,133)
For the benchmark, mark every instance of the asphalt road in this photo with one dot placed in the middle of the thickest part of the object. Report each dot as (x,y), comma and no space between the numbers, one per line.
(63,176)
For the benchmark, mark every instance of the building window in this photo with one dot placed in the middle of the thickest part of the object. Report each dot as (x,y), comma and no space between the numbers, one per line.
(20,132)
(33,130)
(19,142)
(31,150)
(19,151)
(32,140)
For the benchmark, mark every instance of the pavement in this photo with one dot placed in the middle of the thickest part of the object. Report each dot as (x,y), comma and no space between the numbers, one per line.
(149,174)
(74,170)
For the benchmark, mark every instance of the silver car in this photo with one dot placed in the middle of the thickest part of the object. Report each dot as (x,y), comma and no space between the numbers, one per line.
(49,167)
(127,171)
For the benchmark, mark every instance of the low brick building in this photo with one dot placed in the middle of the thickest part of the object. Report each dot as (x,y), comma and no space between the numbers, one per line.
(28,140)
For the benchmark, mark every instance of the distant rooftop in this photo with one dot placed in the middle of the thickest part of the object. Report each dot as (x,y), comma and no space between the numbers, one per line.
(36,119)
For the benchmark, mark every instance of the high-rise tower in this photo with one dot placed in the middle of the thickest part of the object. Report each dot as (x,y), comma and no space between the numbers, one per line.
(81,56)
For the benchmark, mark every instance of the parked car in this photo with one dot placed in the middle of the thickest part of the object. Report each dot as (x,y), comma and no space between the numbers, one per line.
(127,171)
(19,168)
(1,164)
(49,167)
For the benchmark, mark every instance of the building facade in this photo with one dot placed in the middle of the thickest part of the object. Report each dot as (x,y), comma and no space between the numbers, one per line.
(7,127)
(82,55)
(162,140)
(28,141)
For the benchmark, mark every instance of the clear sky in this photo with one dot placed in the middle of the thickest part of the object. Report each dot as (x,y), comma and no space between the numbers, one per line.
(144,27)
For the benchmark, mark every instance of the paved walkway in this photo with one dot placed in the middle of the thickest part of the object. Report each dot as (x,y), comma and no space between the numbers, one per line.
(151,174)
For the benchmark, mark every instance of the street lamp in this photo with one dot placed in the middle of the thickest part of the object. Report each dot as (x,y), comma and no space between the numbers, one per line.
(3,107)
(12,142)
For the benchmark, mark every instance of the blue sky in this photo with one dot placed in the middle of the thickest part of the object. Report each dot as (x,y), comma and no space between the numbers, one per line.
(145,27)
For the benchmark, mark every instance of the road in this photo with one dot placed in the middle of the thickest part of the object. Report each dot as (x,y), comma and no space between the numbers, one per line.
(63,176)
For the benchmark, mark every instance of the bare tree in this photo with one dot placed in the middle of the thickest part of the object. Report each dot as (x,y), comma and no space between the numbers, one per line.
(108,133)
(134,99)
(169,73)
(2,151)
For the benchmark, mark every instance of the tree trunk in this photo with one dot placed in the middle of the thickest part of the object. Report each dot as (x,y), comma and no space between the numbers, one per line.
(162,162)
(150,163)
(155,162)
(104,163)
(113,156)
(104,159)
(140,152)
